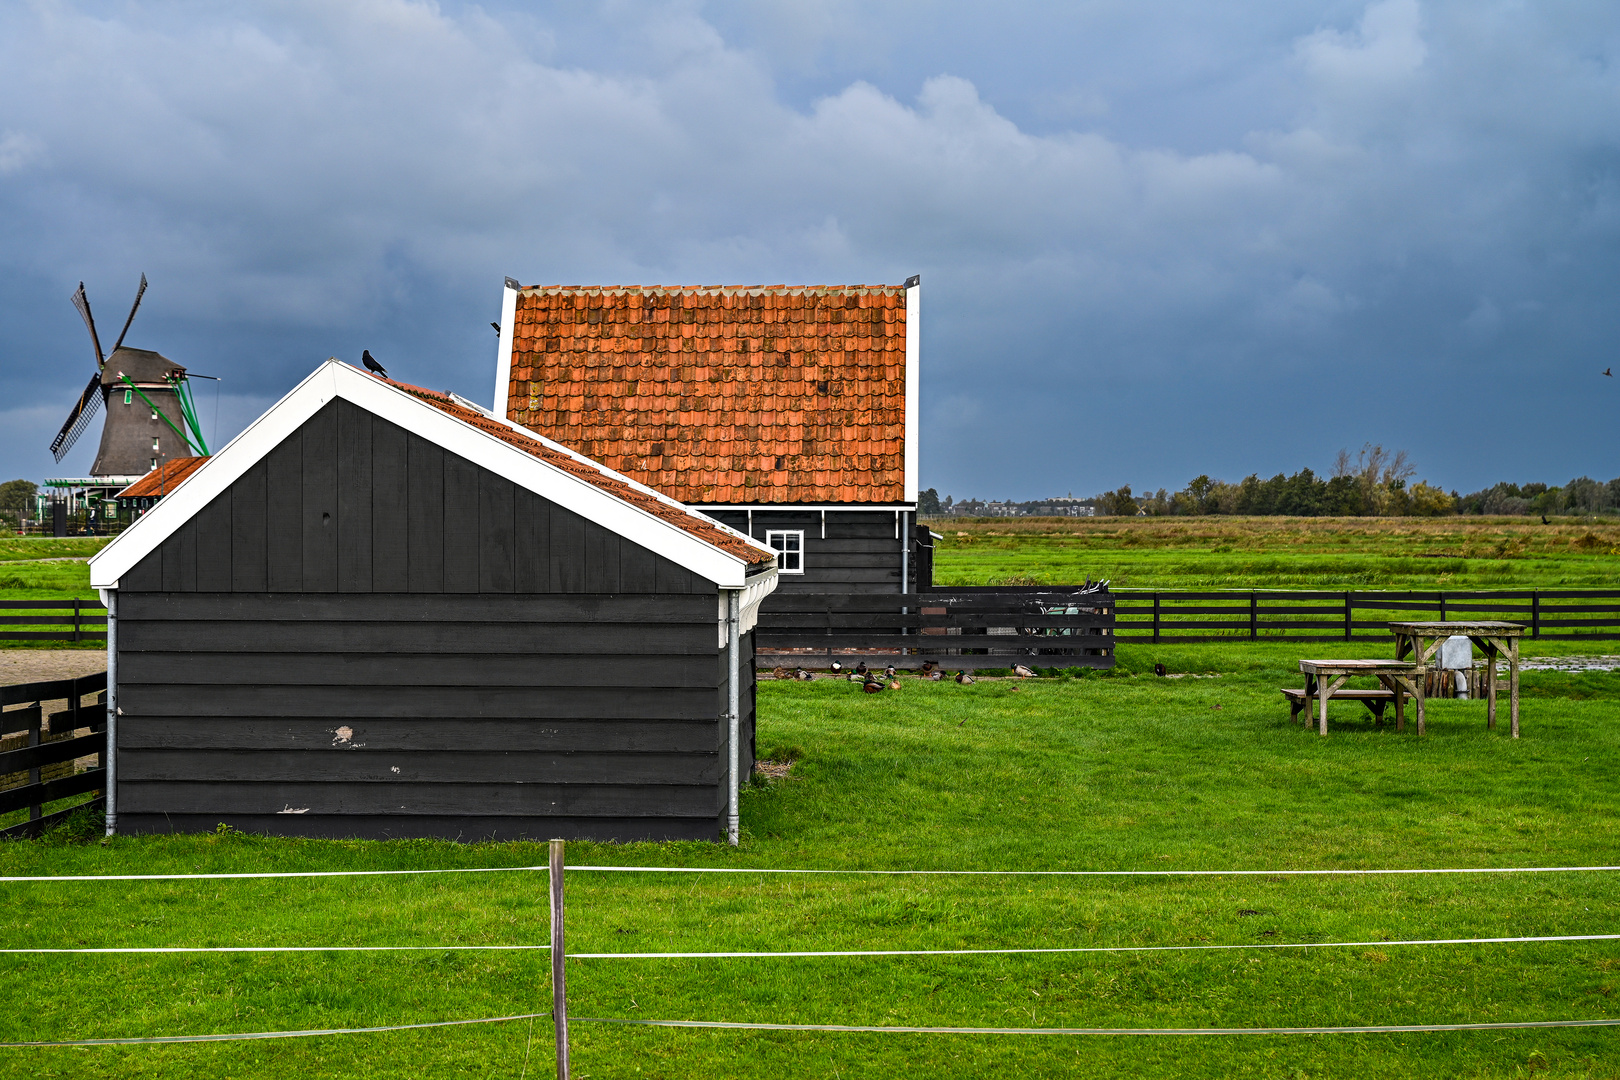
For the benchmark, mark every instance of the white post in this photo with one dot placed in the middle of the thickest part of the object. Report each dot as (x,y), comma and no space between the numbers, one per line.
(734,709)
(109,756)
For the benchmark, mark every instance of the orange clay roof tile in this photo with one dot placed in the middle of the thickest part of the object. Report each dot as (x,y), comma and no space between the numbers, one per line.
(163,479)
(730,378)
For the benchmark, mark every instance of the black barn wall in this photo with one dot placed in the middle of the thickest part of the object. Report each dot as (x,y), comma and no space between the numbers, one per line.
(369,636)
(860,553)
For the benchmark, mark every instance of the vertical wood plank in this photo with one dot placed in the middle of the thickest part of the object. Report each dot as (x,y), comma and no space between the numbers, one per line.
(171,553)
(601,559)
(567,551)
(532,557)
(497,539)
(249,538)
(1513,682)
(389,501)
(284,506)
(354,492)
(425,525)
(638,572)
(320,527)
(460,524)
(214,545)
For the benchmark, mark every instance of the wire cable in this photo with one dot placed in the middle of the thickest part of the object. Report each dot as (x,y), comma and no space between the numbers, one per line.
(237,1036)
(1097,873)
(1089,948)
(275,874)
(890,1030)
(285,948)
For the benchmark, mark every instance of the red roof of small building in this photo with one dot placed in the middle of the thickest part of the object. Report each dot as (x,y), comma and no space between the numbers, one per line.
(163,479)
(690,521)
(722,395)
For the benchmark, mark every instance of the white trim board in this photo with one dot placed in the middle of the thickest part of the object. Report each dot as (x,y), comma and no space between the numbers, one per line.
(503,352)
(913,382)
(337,380)
(826,508)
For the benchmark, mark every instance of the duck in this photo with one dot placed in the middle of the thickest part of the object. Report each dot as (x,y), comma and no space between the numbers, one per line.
(889,671)
(781,673)
(928,667)
(894,684)
(1023,672)
(935,676)
(860,668)
(964,679)
(802,675)
(837,667)
(872,687)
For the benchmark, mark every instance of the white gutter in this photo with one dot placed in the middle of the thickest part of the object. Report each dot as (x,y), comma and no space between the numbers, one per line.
(733,709)
(110,755)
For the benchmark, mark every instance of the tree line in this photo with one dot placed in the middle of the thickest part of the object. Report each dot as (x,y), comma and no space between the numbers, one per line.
(1375,482)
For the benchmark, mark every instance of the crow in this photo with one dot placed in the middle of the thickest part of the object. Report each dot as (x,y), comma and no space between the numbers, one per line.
(371,364)
(1609,371)
(1544,520)
(497,326)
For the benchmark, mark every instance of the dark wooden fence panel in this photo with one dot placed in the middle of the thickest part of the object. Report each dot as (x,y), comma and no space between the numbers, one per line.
(1550,614)
(962,628)
(53,620)
(37,751)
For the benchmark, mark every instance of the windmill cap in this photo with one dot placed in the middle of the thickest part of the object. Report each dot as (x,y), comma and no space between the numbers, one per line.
(141,365)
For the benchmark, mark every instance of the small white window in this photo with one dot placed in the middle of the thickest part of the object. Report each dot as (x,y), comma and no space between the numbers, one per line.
(789,547)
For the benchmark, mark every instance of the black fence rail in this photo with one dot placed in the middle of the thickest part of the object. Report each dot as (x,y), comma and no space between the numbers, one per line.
(53,620)
(39,751)
(1225,615)
(964,628)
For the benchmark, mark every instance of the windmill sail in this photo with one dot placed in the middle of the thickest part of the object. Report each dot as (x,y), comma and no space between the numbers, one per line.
(138,294)
(82,302)
(79,418)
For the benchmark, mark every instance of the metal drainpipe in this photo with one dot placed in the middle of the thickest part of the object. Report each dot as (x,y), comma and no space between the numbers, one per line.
(734,708)
(110,755)
(905,551)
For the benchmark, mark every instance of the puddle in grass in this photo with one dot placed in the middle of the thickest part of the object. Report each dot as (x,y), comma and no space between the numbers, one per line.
(1570,663)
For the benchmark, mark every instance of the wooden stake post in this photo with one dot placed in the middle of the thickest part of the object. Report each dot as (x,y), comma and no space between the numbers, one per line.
(559,981)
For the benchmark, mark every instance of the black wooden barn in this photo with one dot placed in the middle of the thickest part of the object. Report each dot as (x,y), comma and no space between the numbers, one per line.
(382,611)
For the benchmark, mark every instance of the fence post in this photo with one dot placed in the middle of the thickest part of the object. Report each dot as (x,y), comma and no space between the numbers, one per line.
(1254,615)
(1155,618)
(1442,607)
(75,620)
(559,981)
(1347,623)
(1535,614)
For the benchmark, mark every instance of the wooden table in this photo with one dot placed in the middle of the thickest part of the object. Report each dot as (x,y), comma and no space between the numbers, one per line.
(1401,677)
(1423,640)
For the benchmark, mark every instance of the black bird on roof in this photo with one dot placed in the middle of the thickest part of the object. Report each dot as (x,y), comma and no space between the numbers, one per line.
(497,326)
(371,364)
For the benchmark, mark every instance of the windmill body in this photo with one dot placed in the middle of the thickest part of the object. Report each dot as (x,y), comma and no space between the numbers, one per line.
(140,433)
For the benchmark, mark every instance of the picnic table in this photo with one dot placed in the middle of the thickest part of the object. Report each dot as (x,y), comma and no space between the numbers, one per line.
(1423,640)
(1401,678)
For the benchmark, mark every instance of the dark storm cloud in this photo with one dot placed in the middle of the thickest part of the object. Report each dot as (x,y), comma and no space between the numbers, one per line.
(1156,240)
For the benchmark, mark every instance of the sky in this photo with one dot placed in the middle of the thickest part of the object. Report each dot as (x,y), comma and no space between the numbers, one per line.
(1156,239)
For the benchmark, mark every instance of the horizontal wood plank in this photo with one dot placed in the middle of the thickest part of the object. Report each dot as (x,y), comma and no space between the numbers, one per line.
(434,607)
(463,827)
(350,702)
(384,798)
(476,768)
(531,639)
(442,735)
(414,670)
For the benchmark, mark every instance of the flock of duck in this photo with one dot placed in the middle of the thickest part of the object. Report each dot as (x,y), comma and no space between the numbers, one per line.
(871,682)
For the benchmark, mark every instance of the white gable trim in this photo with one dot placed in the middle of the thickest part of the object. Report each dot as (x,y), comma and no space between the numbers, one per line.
(913,382)
(503,352)
(336,380)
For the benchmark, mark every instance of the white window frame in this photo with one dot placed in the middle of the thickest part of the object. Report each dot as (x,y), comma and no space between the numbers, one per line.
(782,552)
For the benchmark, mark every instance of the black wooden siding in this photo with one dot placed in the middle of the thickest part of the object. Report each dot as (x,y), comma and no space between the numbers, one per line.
(368,636)
(860,552)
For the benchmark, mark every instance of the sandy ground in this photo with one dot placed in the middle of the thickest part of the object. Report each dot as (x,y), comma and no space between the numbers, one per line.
(38,665)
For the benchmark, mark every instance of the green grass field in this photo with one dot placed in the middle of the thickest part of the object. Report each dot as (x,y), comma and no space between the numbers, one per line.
(1078,773)
(1453,553)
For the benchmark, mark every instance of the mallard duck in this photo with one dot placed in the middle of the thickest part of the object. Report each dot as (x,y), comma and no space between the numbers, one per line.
(872,687)
(781,673)
(860,668)
(928,666)
(889,671)
(894,684)
(802,675)
(837,667)
(964,679)
(935,676)
(1023,672)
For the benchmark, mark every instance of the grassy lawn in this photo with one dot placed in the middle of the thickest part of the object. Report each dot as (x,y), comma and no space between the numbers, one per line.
(1084,773)
(1455,553)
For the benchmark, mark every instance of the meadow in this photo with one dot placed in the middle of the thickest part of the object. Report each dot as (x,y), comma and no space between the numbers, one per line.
(1118,771)
(1450,553)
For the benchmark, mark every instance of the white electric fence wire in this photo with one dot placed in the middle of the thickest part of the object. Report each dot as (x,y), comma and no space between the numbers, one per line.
(766,870)
(890,1030)
(238,1036)
(277,874)
(287,948)
(1091,948)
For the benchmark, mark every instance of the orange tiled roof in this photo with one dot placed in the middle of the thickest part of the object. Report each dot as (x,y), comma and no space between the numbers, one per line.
(705,529)
(735,395)
(163,479)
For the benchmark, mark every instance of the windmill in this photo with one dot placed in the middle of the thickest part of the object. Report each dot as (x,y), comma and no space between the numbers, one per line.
(147,400)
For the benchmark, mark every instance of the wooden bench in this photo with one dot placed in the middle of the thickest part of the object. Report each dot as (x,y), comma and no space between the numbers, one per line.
(1375,700)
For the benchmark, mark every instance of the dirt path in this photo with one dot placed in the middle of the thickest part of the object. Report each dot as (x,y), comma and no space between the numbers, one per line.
(40,665)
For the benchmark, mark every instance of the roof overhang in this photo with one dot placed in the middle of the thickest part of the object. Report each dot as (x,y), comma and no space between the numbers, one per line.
(334,380)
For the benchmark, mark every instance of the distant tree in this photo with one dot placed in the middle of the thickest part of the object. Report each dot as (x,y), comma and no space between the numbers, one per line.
(1430,501)
(1117,503)
(928,503)
(17,494)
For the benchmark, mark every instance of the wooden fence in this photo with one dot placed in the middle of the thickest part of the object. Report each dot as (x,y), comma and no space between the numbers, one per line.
(964,628)
(38,751)
(53,620)
(1226,615)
